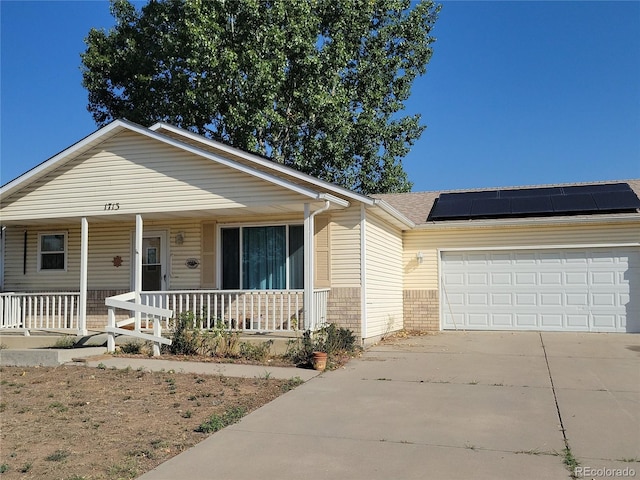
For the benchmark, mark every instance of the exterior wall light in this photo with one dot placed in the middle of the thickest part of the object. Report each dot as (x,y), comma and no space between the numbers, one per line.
(419,257)
(179,238)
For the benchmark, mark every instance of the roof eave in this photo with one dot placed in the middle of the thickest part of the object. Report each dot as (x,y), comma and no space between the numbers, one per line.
(403,222)
(531,221)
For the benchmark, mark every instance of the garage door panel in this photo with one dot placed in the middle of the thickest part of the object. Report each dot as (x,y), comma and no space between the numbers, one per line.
(578,321)
(526,320)
(551,299)
(556,289)
(551,278)
(525,278)
(551,321)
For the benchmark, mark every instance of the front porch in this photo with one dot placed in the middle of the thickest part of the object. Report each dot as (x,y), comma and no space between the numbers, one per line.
(235,310)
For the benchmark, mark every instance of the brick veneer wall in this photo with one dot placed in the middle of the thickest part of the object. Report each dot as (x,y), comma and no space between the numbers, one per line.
(343,308)
(97,310)
(421,310)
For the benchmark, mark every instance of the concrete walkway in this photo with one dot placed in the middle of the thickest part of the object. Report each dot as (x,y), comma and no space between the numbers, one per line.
(481,405)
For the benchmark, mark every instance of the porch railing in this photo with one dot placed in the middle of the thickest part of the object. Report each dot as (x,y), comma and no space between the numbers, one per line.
(39,311)
(252,310)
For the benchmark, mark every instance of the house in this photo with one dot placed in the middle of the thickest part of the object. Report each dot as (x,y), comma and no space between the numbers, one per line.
(160,221)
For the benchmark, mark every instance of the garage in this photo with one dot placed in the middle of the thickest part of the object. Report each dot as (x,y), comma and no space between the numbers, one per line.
(564,289)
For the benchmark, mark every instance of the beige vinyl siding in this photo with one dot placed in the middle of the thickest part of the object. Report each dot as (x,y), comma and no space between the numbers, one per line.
(106,241)
(140,175)
(384,277)
(425,276)
(345,247)
(322,247)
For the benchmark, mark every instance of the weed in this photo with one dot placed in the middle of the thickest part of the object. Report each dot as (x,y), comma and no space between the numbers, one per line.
(65,342)
(57,456)
(569,460)
(469,446)
(218,422)
(158,443)
(141,454)
(26,467)
(292,383)
(128,469)
(187,414)
(77,477)
(630,460)
(473,382)
(58,407)
(3,406)
(383,379)
(4,468)
(102,366)
(257,353)
(131,348)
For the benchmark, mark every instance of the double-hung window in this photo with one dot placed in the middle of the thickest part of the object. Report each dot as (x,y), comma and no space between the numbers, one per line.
(263,257)
(52,251)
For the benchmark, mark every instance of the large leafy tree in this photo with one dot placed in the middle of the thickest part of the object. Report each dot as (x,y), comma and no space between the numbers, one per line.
(318,85)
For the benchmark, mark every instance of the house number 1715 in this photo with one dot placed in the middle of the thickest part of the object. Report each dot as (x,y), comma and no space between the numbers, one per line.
(112,206)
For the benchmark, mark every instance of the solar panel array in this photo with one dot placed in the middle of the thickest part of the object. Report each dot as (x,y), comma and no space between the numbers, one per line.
(536,202)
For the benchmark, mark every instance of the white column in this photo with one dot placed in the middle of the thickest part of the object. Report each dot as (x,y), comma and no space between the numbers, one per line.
(138,268)
(309,321)
(84,256)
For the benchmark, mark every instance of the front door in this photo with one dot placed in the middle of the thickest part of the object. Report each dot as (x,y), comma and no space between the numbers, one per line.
(154,261)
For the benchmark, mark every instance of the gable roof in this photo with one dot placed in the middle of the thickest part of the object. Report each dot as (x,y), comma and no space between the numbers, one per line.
(248,163)
(331,192)
(418,205)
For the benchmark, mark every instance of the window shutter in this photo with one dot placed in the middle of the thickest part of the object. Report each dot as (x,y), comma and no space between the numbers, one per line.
(208,264)
(322,257)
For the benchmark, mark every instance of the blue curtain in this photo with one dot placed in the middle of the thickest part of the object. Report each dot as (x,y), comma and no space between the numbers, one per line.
(264,258)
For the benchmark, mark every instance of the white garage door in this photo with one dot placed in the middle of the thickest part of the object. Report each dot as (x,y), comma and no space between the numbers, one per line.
(570,289)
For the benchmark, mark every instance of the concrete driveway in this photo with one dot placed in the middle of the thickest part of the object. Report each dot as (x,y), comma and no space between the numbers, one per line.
(454,405)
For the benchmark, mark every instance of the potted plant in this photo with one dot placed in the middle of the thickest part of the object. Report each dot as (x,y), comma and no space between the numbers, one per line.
(320,350)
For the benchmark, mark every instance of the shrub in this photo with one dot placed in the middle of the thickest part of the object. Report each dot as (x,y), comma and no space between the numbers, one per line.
(329,338)
(131,347)
(254,352)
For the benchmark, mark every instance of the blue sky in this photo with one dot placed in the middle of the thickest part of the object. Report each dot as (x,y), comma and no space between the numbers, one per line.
(517,93)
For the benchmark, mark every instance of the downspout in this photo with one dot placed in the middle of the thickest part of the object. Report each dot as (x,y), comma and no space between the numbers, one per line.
(363,273)
(309,270)
(3,246)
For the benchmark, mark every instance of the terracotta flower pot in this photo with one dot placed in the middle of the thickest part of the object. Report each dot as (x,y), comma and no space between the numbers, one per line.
(319,361)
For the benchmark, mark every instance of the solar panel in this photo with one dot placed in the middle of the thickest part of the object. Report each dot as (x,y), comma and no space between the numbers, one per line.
(491,207)
(544,201)
(573,203)
(616,200)
(530,192)
(530,205)
(467,195)
(608,187)
(459,208)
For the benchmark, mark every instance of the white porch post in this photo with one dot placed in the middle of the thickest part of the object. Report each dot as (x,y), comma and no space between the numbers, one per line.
(84,255)
(138,268)
(309,321)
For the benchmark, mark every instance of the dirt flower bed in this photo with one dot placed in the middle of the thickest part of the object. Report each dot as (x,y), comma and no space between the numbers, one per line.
(82,423)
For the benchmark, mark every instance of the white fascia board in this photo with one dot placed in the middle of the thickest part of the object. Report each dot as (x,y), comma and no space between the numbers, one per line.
(58,159)
(264,162)
(333,199)
(531,221)
(387,208)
